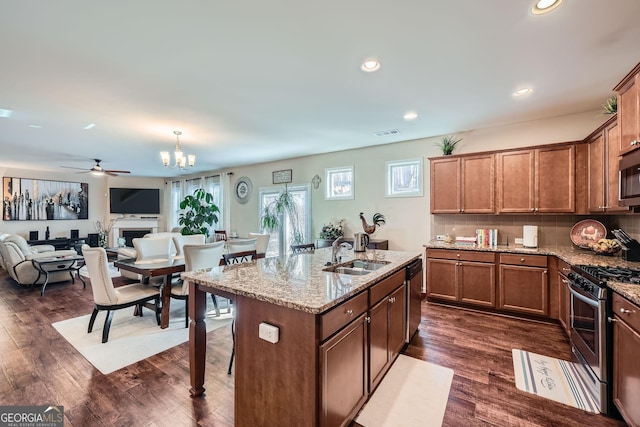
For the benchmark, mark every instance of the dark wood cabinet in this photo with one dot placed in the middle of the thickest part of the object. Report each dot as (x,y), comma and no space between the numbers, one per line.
(343,374)
(564,302)
(464,184)
(629,111)
(540,180)
(523,284)
(373,243)
(387,330)
(461,276)
(626,369)
(360,340)
(603,157)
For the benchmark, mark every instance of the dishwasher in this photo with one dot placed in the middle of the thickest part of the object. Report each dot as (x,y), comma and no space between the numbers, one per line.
(414,297)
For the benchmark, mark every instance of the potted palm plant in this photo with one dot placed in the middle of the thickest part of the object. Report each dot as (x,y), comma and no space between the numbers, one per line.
(611,106)
(447,144)
(199,213)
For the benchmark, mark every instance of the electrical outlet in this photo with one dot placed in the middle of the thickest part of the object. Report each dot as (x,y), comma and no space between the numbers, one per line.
(518,241)
(269,332)
(440,237)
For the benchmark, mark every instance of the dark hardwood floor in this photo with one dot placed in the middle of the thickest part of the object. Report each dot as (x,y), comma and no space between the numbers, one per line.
(38,367)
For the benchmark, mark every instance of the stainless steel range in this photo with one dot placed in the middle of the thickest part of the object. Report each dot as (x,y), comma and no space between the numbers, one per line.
(590,332)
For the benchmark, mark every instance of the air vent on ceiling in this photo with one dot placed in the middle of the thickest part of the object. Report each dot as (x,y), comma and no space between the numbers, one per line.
(387,132)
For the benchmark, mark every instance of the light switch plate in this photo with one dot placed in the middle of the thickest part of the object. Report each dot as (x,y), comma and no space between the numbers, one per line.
(269,332)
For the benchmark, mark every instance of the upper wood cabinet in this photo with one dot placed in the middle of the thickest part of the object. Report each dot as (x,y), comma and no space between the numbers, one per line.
(604,155)
(463,184)
(629,110)
(540,180)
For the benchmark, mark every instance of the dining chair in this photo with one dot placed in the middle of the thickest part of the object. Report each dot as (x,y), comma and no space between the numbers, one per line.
(242,245)
(109,298)
(230,259)
(262,243)
(196,257)
(219,235)
(159,247)
(307,247)
(192,239)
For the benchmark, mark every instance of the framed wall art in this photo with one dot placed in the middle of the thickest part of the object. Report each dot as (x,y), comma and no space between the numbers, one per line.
(282,177)
(26,199)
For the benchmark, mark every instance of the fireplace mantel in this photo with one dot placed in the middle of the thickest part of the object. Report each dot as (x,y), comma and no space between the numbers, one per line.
(132,224)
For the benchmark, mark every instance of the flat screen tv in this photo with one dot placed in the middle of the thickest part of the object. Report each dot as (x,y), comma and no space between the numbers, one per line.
(134,200)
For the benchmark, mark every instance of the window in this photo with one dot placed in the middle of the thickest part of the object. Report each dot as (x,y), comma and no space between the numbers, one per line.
(339,183)
(180,189)
(282,239)
(404,178)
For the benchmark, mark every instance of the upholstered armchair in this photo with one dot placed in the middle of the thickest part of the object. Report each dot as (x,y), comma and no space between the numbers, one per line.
(16,256)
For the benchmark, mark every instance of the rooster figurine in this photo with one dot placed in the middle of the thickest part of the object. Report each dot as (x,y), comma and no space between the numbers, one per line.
(378,220)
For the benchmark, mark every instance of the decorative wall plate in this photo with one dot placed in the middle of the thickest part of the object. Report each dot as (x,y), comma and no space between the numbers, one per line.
(587,231)
(243,189)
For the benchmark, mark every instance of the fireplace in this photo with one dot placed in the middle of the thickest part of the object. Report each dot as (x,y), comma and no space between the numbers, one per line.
(148,225)
(130,234)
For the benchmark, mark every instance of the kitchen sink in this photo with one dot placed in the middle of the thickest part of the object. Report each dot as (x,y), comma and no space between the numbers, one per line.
(356,267)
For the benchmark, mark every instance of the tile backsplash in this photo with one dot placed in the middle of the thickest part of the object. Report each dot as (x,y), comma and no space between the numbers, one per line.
(553,230)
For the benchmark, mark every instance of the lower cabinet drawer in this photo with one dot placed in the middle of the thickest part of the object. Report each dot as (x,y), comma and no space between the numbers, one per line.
(385,287)
(526,260)
(627,311)
(341,315)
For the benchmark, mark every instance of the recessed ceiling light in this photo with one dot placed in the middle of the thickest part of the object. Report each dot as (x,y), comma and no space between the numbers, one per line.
(523,91)
(5,113)
(410,115)
(90,126)
(370,65)
(544,6)
(35,126)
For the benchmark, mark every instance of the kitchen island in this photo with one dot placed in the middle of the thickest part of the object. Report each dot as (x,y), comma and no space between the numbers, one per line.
(332,336)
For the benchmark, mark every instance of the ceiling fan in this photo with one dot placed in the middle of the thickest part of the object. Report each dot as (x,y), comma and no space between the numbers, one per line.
(97,169)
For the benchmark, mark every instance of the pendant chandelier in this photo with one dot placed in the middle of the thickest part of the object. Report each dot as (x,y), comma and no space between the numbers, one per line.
(181,160)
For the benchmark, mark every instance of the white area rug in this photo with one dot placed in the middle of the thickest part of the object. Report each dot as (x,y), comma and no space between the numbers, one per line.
(551,378)
(113,272)
(132,338)
(413,393)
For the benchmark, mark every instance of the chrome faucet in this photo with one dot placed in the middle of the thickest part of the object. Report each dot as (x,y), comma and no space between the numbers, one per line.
(335,247)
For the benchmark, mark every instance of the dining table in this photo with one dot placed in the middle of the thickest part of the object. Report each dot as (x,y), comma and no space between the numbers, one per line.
(164,267)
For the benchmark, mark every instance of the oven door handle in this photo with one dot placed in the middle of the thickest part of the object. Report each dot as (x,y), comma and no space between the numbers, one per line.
(583,298)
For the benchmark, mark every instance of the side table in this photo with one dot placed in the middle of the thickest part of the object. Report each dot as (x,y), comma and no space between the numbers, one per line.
(68,263)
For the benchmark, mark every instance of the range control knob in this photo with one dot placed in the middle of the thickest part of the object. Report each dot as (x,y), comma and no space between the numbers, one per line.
(571,276)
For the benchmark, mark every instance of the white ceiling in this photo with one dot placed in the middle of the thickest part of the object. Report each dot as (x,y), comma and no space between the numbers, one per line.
(248,81)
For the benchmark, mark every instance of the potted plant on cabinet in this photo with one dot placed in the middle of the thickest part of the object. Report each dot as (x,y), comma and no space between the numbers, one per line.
(199,213)
(611,106)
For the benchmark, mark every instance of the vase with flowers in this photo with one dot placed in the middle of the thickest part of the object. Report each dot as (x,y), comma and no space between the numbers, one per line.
(103,228)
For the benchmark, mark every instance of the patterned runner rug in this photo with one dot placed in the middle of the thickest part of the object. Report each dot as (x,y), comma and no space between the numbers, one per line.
(412,393)
(551,378)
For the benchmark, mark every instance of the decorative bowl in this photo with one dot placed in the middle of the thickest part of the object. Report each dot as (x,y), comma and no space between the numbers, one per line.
(605,247)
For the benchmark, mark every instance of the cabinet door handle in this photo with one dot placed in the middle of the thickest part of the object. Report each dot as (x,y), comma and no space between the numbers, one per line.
(368,319)
(533,209)
(348,312)
(462,210)
(544,272)
(521,259)
(611,319)
(625,311)
(565,281)
(566,269)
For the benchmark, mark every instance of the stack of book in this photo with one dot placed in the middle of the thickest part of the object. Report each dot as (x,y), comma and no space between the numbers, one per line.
(487,237)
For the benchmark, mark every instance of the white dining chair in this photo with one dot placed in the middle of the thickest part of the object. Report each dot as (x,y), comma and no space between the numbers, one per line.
(196,257)
(262,243)
(242,245)
(109,298)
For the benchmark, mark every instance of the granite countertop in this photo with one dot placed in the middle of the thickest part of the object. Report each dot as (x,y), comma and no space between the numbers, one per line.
(298,281)
(569,254)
